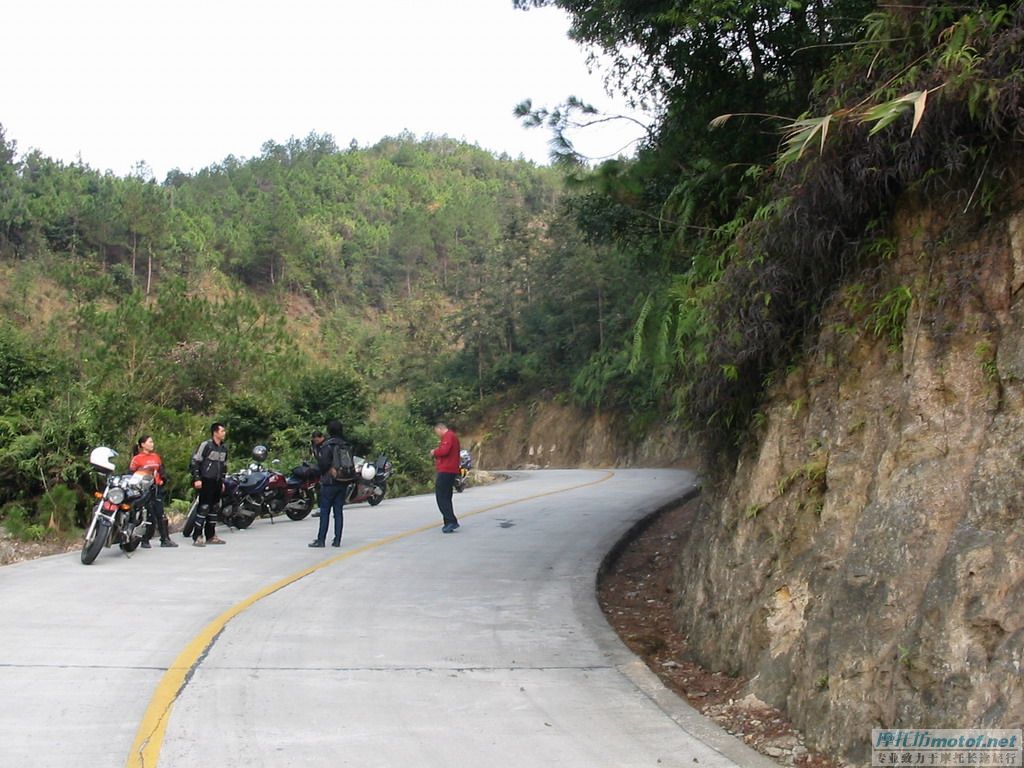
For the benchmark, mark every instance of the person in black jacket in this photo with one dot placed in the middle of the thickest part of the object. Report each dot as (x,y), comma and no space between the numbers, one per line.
(209,465)
(332,489)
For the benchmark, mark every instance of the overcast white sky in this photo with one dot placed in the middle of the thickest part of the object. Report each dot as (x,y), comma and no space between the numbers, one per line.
(186,83)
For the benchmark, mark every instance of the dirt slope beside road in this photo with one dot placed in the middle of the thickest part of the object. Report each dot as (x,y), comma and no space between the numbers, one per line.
(637,597)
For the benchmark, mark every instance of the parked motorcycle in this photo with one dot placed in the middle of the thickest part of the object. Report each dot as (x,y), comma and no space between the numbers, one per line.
(258,491)
(371,483)
(119,516)
(465,464)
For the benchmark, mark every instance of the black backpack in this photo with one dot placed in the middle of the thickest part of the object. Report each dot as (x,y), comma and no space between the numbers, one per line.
(343,466)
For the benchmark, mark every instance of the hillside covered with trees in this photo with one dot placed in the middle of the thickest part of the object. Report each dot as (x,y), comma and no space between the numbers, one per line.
(388,286)
(421,277)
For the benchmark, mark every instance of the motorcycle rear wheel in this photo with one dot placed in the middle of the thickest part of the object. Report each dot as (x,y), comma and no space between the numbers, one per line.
(297,514)
(94,546)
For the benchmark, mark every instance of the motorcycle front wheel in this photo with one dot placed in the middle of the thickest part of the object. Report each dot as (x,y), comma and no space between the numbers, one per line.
(93,546)
(237,520)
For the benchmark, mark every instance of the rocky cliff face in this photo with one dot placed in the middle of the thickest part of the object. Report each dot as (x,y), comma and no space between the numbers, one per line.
(865,564)
(551,435)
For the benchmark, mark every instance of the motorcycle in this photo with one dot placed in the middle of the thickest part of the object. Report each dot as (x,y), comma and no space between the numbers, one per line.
(371,483)
(465,465)
(120,516)
(258,491)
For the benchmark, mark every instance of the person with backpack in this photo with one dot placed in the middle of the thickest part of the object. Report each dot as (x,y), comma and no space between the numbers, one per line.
(337,470)
(446,462)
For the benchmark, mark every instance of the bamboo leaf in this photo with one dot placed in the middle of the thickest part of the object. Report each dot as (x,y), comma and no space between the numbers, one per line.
(919,105)
(800,134)
(886,113)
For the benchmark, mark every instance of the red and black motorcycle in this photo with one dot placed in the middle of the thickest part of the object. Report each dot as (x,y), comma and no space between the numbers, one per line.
(371,483)
(258,491)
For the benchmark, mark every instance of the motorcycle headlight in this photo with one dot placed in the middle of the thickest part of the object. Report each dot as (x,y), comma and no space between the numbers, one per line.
(116,495)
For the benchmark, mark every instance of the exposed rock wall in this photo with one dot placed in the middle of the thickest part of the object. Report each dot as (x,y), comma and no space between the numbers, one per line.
(552,435)
(865,564)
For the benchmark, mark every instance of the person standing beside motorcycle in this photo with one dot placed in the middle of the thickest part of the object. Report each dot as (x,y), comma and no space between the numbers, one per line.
(332,489)
(316,441)
(446,462)
(209,465)
(146,461)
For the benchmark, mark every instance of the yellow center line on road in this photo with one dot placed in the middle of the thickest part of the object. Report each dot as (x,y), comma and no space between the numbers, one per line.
(149,738)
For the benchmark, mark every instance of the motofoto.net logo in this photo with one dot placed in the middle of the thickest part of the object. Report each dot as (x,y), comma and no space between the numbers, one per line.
(945,746)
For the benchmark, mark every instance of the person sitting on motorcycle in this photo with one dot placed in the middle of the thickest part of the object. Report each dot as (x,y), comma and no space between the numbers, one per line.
(146,461)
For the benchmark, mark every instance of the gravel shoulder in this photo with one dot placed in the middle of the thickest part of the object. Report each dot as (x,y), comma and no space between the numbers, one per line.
(636,594)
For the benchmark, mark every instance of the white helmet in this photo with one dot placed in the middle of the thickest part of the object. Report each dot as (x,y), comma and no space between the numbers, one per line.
(102,458)
(368,471)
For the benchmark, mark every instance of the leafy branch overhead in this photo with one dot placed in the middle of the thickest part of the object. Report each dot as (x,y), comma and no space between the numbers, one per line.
(574,116)
(806,132)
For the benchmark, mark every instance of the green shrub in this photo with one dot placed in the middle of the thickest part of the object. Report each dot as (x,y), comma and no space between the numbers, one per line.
(60,506)
(18,523)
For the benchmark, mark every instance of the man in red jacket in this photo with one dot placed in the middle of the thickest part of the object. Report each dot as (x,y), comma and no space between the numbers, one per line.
(446,462)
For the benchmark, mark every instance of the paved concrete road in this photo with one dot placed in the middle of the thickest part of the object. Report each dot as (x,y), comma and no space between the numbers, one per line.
(405,647)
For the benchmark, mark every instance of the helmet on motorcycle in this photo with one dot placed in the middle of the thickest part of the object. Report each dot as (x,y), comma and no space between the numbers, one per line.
(102,458)
(368,471)
(259,453)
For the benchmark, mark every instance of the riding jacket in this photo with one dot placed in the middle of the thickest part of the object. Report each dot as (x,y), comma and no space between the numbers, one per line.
(210,461)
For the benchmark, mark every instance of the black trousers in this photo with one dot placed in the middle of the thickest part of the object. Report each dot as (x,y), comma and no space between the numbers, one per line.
(209,497)
(157,516)
(444,486)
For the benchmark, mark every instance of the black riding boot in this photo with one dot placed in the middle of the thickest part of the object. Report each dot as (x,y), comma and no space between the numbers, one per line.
(149,531)
(165,534)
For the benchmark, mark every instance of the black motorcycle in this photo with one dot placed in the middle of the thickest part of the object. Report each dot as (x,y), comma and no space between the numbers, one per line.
(120,515)
(259,491)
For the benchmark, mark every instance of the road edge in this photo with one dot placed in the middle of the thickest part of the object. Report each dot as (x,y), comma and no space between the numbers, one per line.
(634,668)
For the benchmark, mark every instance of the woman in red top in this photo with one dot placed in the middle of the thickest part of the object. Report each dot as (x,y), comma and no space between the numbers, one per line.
(147,461)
